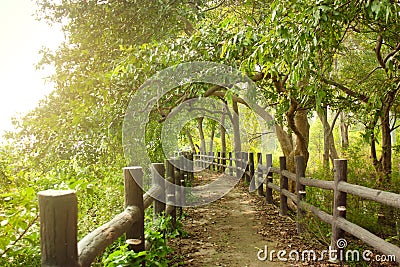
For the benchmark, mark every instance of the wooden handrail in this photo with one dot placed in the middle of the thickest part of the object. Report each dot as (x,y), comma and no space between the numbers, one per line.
(98,240)
(323,184)
(369,238)
(387,198)
(148,198)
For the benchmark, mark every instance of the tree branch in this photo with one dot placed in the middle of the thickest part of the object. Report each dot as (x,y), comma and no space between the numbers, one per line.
(378,51)
(397,49)
(257,77)
(345,89)
(258,135)
(334,122)
(20,236)
(369,74)
(214,7)
(235,98)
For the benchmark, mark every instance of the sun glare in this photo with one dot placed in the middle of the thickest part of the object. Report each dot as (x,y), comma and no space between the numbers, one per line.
(22,86)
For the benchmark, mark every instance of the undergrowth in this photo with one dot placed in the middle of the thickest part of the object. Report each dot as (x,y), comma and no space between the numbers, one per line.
(157,232)
(99,191)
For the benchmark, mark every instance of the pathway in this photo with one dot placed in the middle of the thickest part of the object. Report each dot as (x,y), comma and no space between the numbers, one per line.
(232,230)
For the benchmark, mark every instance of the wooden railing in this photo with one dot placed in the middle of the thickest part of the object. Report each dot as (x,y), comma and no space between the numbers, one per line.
(243,165)
(58,211)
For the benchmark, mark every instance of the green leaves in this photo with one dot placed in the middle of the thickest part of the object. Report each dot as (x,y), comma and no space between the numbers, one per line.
(19,226)
(156,233)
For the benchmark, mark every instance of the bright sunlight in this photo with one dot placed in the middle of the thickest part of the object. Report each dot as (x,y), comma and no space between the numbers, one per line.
(22,86)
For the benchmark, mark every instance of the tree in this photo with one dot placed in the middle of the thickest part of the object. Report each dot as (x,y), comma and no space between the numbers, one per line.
(82,118)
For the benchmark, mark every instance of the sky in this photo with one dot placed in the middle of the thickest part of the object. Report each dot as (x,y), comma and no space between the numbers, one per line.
(21,38)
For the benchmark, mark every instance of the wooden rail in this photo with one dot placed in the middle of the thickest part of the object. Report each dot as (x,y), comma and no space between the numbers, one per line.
(240,164)
(58,211)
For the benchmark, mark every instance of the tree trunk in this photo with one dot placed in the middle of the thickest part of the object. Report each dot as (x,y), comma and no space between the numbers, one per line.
(386,213)
(190,139)
(223,138)
(344,131)
(302,134)
(223,133)
(323,116)
(330,152)
(332,149)
(285,140)
(201,133)
(300,127)
(370,130)
(298,123)
(386,156)
(236,128)
(211,144)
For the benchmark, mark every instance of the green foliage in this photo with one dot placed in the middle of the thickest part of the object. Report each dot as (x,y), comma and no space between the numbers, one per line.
(19,225)
(156,233)
(124,257)
(99,190)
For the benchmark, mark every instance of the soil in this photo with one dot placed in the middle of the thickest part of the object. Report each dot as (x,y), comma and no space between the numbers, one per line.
(237,230)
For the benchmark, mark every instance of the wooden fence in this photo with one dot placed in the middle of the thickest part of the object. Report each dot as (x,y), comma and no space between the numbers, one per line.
(243,165)
(58,211)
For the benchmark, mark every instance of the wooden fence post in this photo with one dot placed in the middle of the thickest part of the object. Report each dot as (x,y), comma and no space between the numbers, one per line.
(177,182)
(251,171)
(170,172)
(246,167)
(339,202)
(219,161)
(260,182)
(230,164)
(210,160)
(186,165)
(223,162)
(283,181)
(58,211)
(200,160)
(238,165)
(181,183)
(191,168)
(208,157)
(198,163)
(158,170)
(268,179)
(301,193)
(133,180)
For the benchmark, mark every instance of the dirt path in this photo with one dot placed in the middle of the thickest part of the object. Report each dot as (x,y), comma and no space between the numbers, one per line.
(232,230)
(223,233)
